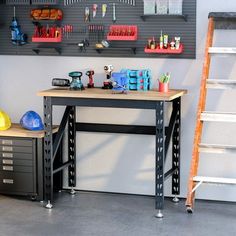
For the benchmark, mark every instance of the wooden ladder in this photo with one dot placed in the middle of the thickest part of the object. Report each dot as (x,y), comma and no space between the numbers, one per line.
(202,115)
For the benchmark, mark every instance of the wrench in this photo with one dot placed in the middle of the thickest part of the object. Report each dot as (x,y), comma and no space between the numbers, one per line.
(114,13)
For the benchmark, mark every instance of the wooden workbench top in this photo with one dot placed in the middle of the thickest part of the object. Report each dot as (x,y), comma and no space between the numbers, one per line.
(17,131)
(99,93)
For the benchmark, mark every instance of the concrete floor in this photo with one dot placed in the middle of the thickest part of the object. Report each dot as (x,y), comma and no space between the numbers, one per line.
(100,214)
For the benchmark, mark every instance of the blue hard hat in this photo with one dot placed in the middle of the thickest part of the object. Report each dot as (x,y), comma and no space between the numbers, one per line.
(31,121)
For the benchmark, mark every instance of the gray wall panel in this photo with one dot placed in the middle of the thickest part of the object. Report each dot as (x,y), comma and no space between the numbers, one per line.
(126,14)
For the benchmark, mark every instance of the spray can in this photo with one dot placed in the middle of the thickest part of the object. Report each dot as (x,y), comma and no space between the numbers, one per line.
(165,41)
(161,41)
(177,42)
(153,43)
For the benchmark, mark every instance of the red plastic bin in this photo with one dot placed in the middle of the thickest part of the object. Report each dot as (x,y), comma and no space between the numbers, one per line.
(47,40)
(165,51)
(123,32)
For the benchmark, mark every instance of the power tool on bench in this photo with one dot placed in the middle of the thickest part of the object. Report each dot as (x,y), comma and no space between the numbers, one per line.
(90,74)
(60,82)
(120,82)
(107,83)
(76,83)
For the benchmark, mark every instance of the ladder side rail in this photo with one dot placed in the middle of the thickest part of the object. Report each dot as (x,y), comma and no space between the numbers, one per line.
(201,107)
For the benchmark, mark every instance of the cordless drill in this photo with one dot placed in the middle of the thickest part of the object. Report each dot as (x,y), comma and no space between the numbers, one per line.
(107,83)
(90,74)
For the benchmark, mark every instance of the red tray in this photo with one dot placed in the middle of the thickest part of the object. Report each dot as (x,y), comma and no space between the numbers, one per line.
(47,40)
(120,28)
(165,51)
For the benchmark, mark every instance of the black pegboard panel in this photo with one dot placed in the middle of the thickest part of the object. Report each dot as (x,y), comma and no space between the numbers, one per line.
(126,14)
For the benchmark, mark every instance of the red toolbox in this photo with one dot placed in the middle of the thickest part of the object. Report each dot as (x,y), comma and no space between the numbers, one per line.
(123,32)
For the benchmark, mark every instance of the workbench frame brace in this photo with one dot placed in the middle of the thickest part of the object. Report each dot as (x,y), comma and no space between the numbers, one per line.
(163,137)
(51,147)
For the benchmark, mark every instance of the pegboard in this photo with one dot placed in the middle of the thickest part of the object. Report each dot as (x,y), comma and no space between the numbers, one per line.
(125,14)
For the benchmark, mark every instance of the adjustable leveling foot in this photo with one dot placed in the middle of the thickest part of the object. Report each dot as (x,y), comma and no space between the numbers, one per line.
(72,191)
(159,214)
(175,199)
(49,205)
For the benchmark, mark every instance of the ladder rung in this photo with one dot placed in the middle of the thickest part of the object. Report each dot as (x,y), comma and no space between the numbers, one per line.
(222,50)
(214,180)
(218,116)
(215,148)
(221,84)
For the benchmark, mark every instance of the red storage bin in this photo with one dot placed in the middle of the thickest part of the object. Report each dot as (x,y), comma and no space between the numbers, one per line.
(48,39)
(165,51)
(123,32)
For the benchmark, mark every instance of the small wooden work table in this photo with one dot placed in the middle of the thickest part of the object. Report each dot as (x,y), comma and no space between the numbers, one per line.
(97,97)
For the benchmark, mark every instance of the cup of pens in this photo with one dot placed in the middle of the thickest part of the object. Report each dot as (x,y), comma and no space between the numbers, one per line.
(164,83)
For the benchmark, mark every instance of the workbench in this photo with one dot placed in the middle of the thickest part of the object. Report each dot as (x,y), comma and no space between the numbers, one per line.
(97,97)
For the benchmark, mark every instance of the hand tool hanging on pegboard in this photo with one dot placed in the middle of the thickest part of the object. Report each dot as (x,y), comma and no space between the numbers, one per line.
(17,37)
(95,7)
(82,45)
(86,14)
(104,10)
(114,12)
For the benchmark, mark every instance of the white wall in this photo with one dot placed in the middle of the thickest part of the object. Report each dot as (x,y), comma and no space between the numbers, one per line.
(125,163)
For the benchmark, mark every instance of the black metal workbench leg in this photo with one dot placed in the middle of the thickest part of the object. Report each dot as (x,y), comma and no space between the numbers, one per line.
(176,150)
(72,149)
(48,153)
(160,156)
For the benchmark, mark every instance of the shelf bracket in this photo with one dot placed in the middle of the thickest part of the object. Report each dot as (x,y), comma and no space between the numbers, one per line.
(40,49)
(183,16)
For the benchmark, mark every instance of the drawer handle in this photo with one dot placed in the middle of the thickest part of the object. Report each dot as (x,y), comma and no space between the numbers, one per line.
(8,162)
(9,168)
(10,155)
(8,181)
(7,149)
(7,142)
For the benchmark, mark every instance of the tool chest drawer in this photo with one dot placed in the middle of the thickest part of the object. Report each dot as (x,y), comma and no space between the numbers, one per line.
(15,142)
(17,182)
(14,168)
(18,162)
(5,148)
(12,155)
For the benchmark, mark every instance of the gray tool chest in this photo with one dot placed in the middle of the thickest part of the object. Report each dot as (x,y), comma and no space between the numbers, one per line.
(21,162)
